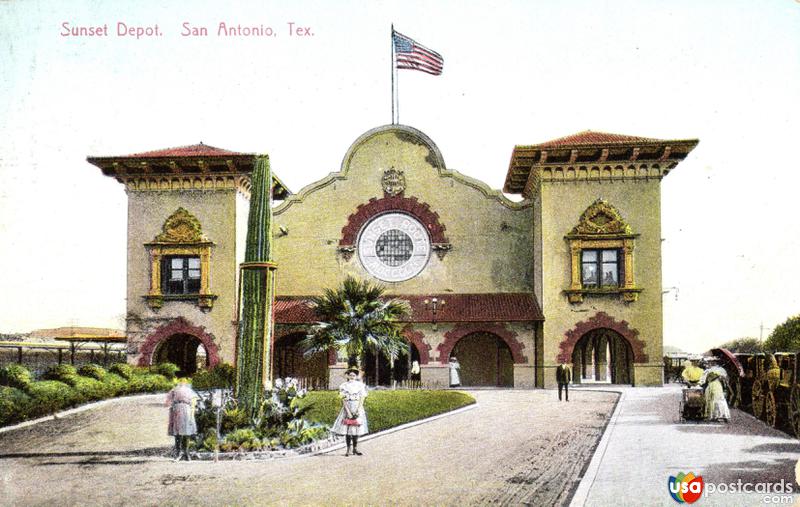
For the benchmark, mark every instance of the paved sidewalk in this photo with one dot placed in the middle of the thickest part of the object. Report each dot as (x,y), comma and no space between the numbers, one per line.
(645,443)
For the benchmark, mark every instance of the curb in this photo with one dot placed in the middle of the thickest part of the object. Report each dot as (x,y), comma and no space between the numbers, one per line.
(337,446)
(590,474)
(393,429)
(82,408)
(341,444)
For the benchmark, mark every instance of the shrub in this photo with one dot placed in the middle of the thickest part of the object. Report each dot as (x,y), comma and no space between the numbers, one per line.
(141,370)
(169,370)
(243,439)
(15,405)
(221,376)
(300,431)
(148,383)
(233,419)
(15,375)
(116,383)
(89,389)
(59,372)
(124,370)
(94,371)
(51,396)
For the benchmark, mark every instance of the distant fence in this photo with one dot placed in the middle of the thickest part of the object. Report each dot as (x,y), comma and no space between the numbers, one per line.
(38,357)
(317,384)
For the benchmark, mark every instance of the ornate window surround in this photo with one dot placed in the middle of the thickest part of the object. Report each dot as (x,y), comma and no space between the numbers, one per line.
(601,227)
(181,235)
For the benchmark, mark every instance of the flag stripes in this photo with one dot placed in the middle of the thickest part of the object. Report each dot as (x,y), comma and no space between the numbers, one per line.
(411,55)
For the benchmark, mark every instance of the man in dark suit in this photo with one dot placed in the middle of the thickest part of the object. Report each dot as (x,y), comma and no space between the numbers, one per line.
(563,377)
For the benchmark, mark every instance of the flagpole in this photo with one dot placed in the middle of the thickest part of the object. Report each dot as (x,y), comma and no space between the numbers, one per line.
(393,73)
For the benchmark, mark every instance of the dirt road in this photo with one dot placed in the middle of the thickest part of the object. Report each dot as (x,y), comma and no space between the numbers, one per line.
(515,447)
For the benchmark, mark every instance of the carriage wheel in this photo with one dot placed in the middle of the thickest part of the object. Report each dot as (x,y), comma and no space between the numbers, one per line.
(794,409)
(758,398)
(770,409)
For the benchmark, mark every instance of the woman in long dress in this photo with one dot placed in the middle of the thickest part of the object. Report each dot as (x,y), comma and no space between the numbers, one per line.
(716,408)
(455,378)
(352,419)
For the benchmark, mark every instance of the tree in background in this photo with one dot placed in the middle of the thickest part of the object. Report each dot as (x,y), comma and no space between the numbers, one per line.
(744,345)
(355,317)
(785,337)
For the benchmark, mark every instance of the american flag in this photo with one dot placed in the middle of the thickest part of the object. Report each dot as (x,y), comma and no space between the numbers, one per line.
(410,54)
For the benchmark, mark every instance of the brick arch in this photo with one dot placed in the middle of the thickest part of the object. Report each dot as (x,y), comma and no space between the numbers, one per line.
(461,330)
(279,335)
(411,205)
(173,327)
(417,338)
(602,320)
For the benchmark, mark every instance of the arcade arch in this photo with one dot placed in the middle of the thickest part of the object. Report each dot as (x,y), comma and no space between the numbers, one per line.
(184,350)
(602,355)
(485,359)
(289,361)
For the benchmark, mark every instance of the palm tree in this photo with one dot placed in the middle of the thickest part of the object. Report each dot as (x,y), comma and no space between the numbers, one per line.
(356,317)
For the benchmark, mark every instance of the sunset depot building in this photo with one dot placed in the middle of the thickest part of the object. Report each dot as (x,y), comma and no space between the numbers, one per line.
(571,273)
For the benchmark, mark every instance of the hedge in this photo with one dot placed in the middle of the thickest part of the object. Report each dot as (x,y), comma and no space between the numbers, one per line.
(15,375)
(386,408)
(15,405)
(51,396)
(65,387)
(94,371)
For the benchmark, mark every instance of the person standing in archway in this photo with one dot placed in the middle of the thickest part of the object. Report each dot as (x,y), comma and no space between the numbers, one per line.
(455,378)
(563,377)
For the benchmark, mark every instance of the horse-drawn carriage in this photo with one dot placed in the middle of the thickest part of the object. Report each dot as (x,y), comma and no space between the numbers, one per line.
(769,389)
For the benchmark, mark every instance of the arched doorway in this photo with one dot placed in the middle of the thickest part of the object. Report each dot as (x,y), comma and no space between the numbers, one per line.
(602,355)
(378,370)
(289,361)
(485,360)
(184,350)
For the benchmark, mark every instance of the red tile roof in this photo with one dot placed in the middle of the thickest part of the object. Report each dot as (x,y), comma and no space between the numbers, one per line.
(194,150)
(590,137)
(502,307)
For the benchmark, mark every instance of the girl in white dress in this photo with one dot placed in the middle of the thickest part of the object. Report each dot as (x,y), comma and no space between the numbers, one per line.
(352,419)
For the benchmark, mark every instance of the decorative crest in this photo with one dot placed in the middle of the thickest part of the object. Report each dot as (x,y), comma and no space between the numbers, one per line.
(601,218)
(393,182)
(181,227)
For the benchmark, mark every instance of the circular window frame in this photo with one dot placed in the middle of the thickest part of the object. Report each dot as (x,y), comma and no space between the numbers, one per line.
(372,264)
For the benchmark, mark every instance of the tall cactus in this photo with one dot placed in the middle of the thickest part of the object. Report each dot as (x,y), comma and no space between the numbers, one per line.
(256,294)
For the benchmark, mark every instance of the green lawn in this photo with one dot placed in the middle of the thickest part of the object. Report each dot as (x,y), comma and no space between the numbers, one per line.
(386,409)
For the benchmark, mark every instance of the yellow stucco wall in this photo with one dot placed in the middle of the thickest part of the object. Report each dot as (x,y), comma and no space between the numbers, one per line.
(216,211)
(561,207)
(490,235)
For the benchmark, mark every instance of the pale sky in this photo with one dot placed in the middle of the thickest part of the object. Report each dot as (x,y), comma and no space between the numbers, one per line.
(521,72)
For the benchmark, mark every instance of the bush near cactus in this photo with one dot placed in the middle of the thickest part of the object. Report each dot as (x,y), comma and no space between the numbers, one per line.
(221,376)
(279,422)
